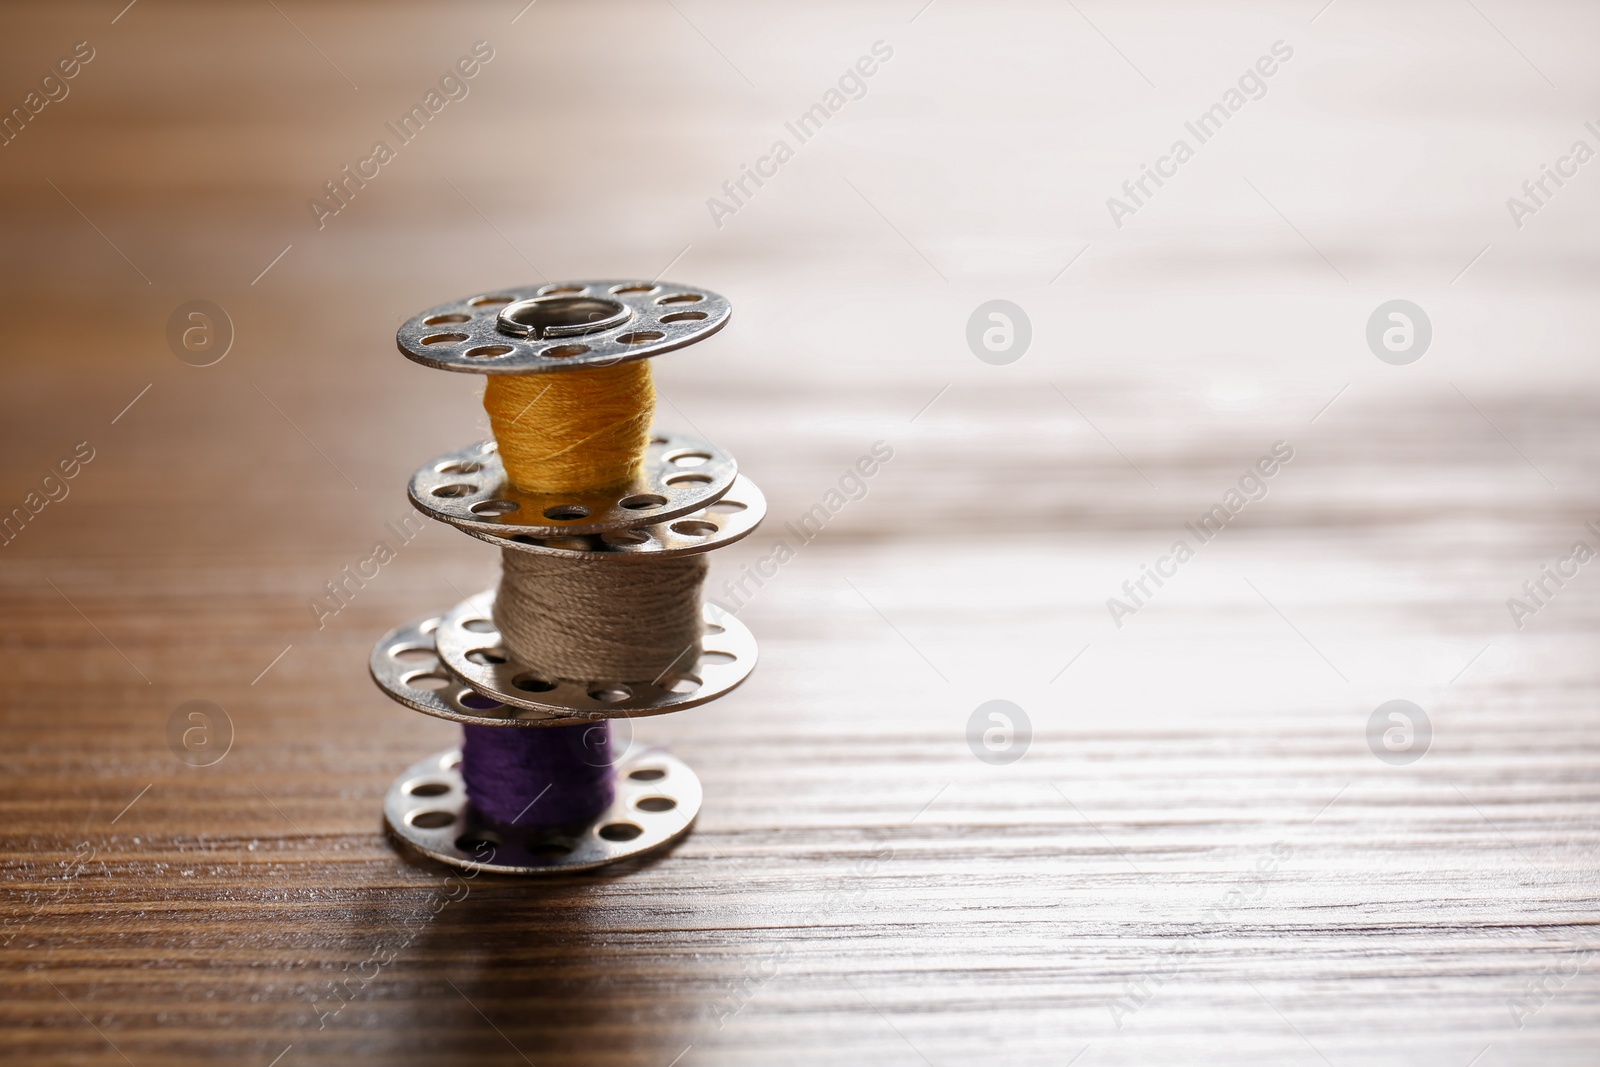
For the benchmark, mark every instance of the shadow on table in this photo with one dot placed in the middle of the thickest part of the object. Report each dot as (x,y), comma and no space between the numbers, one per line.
(550,970)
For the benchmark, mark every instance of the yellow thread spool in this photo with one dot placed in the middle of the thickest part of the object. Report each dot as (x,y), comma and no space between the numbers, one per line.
(572,431)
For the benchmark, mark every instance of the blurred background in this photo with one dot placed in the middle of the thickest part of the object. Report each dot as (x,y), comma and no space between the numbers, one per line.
(1198,833)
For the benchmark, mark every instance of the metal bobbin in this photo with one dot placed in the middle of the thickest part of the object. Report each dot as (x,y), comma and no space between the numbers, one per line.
(688,498)
(728,519)
(657,798)
(468,489)
(469,645)
(565,326)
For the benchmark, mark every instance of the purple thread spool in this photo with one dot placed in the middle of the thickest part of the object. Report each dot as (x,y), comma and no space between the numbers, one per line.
(539,779)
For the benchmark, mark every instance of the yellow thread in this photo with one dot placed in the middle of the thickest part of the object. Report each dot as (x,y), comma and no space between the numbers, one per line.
(572,431)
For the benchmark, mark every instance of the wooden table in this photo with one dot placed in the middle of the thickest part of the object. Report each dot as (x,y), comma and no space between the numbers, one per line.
(1199,859)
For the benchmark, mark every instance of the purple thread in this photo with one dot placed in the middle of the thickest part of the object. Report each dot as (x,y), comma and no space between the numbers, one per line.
(539,778)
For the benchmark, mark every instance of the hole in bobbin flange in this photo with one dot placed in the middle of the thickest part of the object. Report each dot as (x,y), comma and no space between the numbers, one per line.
(478,626)
(578,543)
(429,789)
(432,820)
(642,501)
(655,803)
(648,774)
(444,338)
(563,351)
(683,683)
(478,702)
(639,337)
(455,489)
(532,683)
(620,831)
(611,693)
(566,512)
(694,528)
(428,681)
(494,507)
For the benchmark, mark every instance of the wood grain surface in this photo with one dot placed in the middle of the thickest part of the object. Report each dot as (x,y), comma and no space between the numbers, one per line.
(1198,858)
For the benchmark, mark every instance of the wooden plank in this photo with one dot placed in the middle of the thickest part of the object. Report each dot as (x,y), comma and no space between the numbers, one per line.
(1199,859)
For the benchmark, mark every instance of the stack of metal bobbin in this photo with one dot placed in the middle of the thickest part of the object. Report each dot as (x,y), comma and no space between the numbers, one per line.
(602,522)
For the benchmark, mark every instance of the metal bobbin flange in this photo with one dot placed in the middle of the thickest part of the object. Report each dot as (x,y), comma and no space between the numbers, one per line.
(406,666)
(657,799)
(468,489)
(730,518)
(468,643)
(542,328)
